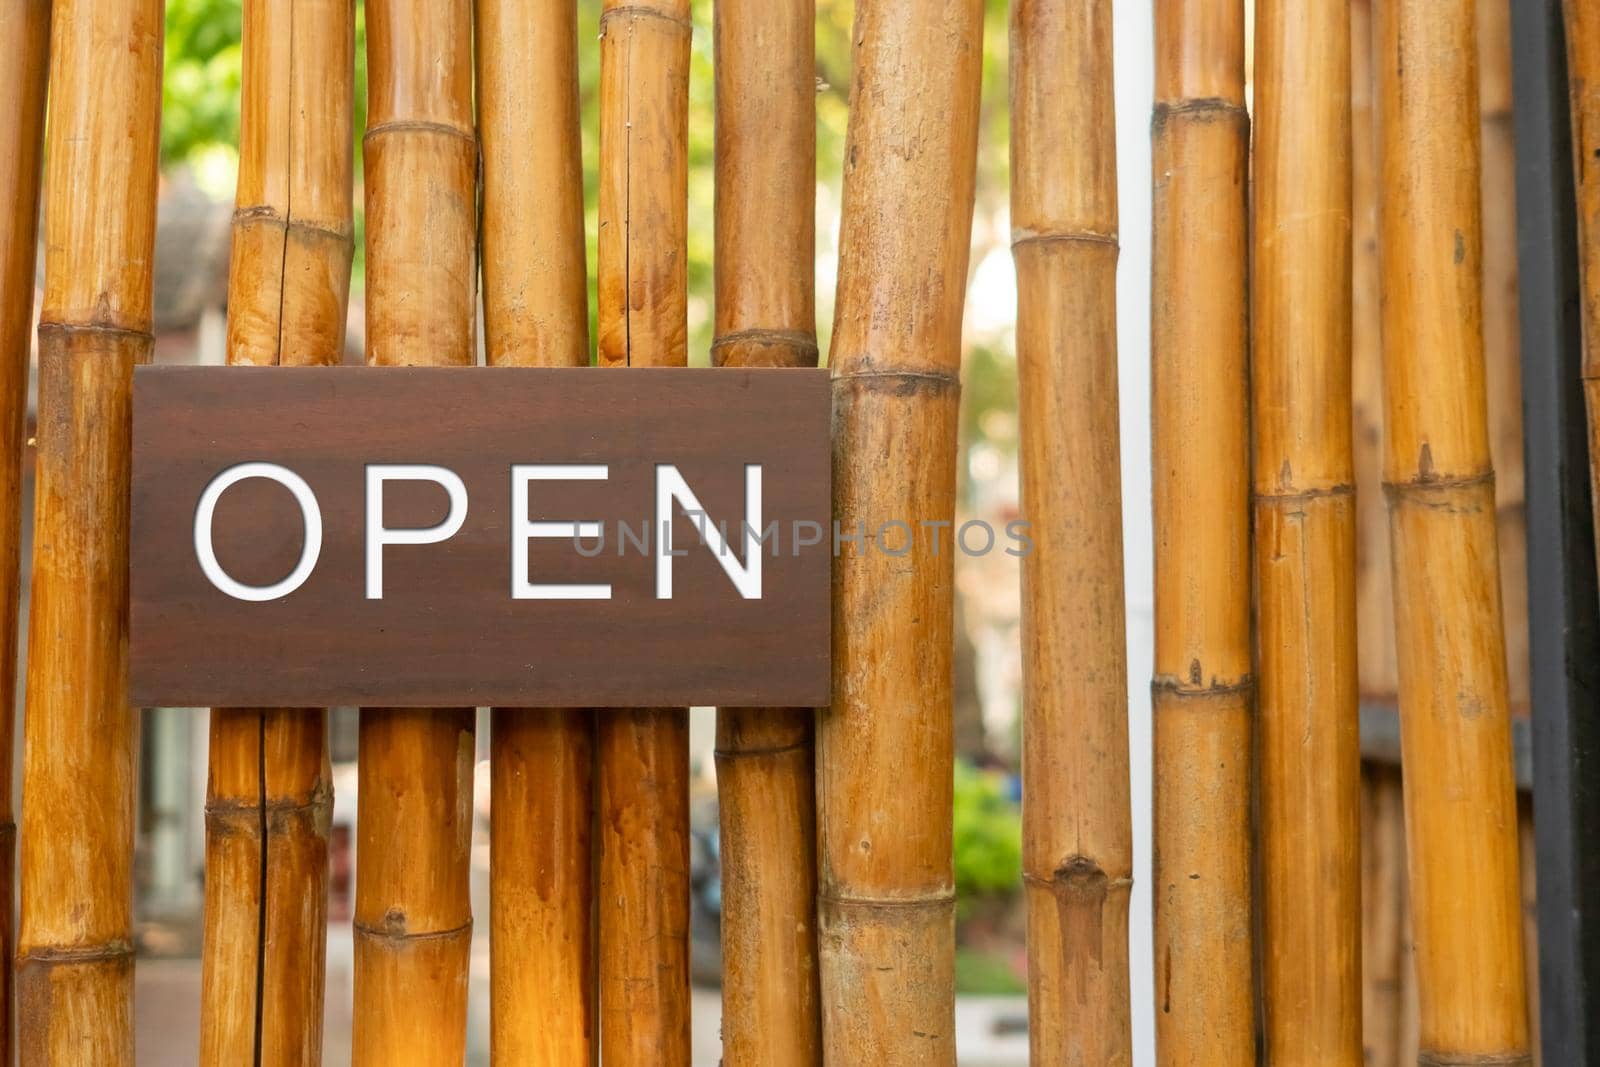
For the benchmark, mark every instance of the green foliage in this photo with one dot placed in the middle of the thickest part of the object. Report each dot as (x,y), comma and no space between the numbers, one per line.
(201,77)
(985,974)
(987,837)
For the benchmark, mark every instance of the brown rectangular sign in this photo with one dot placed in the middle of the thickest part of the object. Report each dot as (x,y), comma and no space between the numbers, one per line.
(479,536)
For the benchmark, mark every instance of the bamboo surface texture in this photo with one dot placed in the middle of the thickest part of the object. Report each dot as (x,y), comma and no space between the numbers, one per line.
(884,748)
(413,914)
(1583,74)
(1077,824)
(541,915)
(1202,691)
(642,754)
(1308,756)
(75,950)
(766,317)
(269,794)
(22,98)
(1459,798)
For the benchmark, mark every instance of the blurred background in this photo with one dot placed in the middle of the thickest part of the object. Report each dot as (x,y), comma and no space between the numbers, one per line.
(199,159)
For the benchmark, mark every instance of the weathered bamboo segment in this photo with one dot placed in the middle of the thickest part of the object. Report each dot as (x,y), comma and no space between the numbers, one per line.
(766,316)
(75,951)
(1202,691)
(642,754)
(884,751)
(1460,802)
(22,96)
(1308,755)
(268,797)
(413,914)
(541,915)
(1077,824)
(1583,74)
(268,802)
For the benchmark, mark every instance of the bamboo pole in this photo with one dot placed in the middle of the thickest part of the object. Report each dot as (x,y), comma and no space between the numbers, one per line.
(1077,824)
(269,793)
(1202,691)
(884,754)
(541,943)
(413,913)
(22,96)
(1309,755)
(642,754)
(1459,798)
(1502,342)
(1583,75)
(766,316)
(75,950)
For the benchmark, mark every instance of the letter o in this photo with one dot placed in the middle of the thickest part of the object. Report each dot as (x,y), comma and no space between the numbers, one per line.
(310,513)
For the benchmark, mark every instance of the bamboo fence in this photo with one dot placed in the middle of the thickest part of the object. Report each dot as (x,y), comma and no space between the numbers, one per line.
(642,755)
(1460,800)
(766,161)
(269,795)
(1308,757)
(74,947)
(541,915)
(413,913)
(886,904)
(1203,691)
(1077,823)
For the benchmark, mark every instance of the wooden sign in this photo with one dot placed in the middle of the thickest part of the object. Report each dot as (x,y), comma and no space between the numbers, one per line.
(479,536)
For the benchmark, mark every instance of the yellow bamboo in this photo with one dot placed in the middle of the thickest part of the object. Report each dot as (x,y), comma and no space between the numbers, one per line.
(1459,798)
(75,951)
(541,944)
(269,794)
(1202,692)
(1077,825)
(642,759)
(884,751)
(1309,759)
(1583,76)
(766,316)
(413,913)
(22,96)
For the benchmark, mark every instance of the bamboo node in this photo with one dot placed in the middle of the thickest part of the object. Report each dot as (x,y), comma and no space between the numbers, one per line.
(1293,496)
(425,126)
(1473,1059)
(638,11)
(1021,237)
(935,900)
(897,381)
(1426,483)
(267,215)
(800,346)
(52,955)
(1170,686)
(393,930)
(1202,108)
(48,329)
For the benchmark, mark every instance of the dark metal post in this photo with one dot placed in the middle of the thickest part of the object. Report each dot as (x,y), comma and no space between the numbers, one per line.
(1562,593)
